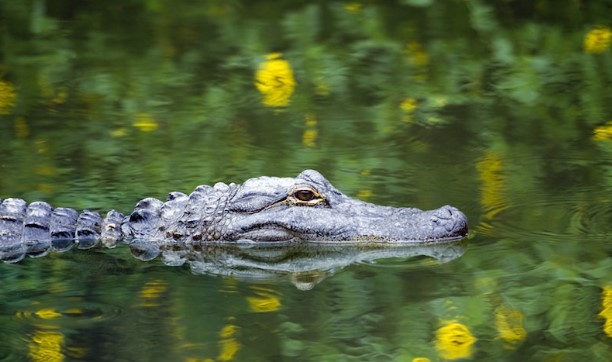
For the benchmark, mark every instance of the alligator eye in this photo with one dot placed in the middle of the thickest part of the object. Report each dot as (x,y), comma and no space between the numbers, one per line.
(304,195)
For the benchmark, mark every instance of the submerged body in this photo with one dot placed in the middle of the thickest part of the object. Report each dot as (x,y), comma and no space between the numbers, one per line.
(306,208)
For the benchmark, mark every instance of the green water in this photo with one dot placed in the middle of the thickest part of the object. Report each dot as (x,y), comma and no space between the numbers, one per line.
(502,110)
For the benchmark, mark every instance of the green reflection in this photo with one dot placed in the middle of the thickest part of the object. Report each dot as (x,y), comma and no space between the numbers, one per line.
(500,108)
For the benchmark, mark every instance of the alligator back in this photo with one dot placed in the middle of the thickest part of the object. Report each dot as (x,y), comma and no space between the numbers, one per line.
(37,228)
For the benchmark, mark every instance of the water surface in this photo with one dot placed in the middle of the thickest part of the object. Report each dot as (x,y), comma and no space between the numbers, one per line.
(502,111)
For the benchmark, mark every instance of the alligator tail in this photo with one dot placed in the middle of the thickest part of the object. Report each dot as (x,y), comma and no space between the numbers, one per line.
(36,228)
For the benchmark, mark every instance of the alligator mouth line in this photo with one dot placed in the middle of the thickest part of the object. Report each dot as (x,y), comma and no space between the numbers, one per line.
(269,233)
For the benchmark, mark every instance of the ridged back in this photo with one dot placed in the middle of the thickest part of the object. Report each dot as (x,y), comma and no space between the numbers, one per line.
(37,228)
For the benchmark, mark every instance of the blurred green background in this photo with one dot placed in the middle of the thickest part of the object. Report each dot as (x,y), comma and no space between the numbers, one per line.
(503,109)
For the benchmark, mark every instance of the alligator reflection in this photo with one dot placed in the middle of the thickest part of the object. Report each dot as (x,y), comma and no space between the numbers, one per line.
(305,264)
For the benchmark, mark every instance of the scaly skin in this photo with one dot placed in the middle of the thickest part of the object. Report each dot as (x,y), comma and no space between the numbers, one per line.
(264,209)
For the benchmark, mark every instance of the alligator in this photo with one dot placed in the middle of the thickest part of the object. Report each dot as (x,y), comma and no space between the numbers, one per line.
(306,208)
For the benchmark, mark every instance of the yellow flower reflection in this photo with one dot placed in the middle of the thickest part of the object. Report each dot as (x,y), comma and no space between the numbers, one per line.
(7,97)
(119,132)
(603,133)
(490,170)
(264,301)
(274,80)
(416,54)
(364,194)
(606,309)
(353,7)
(47,313)
(408,106)
(151,293)
(454,340)
(509,325)
(309,137)
(46,345)
(145,122)
(597,40)
(228,343)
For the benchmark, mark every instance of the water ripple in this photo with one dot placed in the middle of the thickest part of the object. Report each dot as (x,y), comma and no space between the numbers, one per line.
(560,216)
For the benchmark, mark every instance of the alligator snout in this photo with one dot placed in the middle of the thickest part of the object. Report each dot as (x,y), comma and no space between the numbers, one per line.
(449,222)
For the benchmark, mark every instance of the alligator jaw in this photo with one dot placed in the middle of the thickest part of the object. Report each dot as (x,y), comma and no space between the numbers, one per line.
(325,225)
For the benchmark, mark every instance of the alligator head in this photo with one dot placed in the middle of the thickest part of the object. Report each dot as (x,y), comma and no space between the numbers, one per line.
(309,208)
